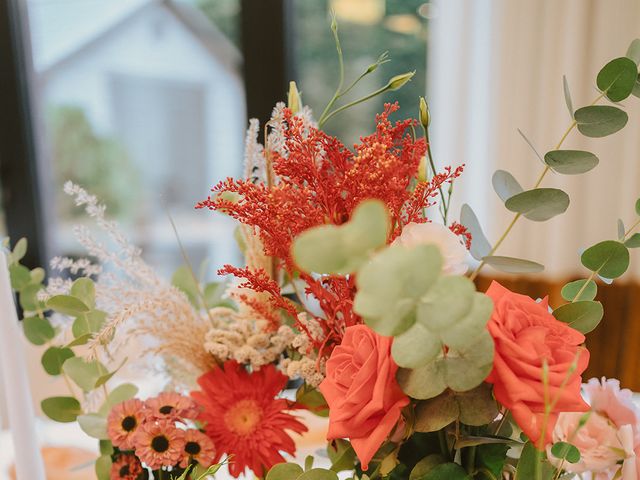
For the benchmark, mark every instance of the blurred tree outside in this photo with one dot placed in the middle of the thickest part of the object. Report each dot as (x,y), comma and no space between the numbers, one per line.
(400,29)
(98,163)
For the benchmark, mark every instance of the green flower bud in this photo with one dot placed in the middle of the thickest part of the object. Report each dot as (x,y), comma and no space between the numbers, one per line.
(294,101)
(399,81)
(425,117)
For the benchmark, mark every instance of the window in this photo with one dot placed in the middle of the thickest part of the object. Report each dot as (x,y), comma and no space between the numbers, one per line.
(367,28)
(142,103)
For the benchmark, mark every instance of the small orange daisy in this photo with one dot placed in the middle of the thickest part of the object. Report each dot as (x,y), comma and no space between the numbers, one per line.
(197,447)
(128,467)
(172,405)
(159,444)
(244,418)
(123,422)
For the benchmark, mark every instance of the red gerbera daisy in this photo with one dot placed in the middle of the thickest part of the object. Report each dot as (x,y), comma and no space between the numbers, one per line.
(243,417)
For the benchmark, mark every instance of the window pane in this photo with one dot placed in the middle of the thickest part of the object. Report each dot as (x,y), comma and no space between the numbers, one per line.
(141,103)
(367,28)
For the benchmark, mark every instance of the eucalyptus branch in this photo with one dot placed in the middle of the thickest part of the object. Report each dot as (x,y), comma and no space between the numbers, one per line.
(517,216)
(336,38)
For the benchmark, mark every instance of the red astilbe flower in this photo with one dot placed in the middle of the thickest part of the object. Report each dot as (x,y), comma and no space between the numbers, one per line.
(244,418)
(462,232)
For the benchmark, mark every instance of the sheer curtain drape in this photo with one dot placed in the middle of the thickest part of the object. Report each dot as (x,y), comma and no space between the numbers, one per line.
(497,65)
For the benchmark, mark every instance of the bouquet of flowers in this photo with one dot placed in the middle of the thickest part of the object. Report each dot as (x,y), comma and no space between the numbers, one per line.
(354,302)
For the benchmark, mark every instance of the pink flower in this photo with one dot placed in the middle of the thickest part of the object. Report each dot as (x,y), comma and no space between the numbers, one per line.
(171,405)
(606,397)
(365,400)
(159,444)
(123,422)
(598,442)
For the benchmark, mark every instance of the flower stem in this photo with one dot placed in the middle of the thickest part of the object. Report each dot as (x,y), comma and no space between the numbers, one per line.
(546,169)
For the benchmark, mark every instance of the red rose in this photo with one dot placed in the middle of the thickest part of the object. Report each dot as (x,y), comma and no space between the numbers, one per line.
(364,397)
(525,335)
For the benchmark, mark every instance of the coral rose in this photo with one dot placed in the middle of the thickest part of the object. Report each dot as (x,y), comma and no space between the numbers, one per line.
(364,397)
(526,335)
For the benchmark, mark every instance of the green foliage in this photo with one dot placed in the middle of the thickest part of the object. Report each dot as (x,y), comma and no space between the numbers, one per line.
(53,359)
(94,425)
(600,120)
(103,467)
(567,95)
(88,323)
(61,409)
(505,185)
(343,249)
(633,241)
(617,78)
(342,455)
(311,399)
(476,407)
(566,451)
(621,230)
(392,284)
(513,265)
(84,290)
(571,290)
(425,465)
(67,305)
(118,395)
(583,315)
(480,246)
(609,259)
(291,471)
(539,204)
(445,471)
(38,330)
(492,457)
(531,461)
(84,374)
(633,52)
(571,162)
(461,370)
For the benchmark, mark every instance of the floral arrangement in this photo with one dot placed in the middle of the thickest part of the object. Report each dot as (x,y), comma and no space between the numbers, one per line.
(354,302)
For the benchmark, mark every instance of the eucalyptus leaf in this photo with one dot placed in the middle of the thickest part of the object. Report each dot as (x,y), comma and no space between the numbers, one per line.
(571,290)
(90,322)
(436,413)
(81,340)
(341,454)
(633,52)
(53,359)
(103,467)
(94,425)
(183,279)
(83,373)
(425,465)
(67,305)
(513,265)
(505,185)
(284,471)
(37,275)
(105,377)
(118,395)
(621,230)
(583,315)
(38,330)
(19,250)
(492,456)
(61,409)
(318,474)
(567,95)
(446,471)
(637,207)
(600,120)
(29,298)
(633,241)
(609,258)
(524,137)
(566,451)
(531,461)
(480,246)
(84,289)
(617,78)
(539,204)
(19,275)
(571,162)
(333,249)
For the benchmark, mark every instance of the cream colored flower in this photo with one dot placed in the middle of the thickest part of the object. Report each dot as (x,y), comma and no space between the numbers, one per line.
(453,251)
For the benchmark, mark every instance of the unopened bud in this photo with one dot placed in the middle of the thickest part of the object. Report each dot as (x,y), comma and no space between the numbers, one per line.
(422,169)
(425,117)
(294,98)
(399,81)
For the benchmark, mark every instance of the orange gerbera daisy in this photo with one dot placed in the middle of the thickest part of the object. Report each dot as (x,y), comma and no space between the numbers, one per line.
(171,405)
(197,447)
(243,417)
(159,444)
(123,422)
(128,467)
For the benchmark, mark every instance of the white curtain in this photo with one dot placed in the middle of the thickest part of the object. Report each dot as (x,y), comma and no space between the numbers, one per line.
(497,65)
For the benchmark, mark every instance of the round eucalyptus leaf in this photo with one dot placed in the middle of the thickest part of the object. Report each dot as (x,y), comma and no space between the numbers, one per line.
(564,450)
(415,347)
(480,246)
(505,185)
(447,471)
(19,275)
(61,409)
(67,305)
(318,474)
(284,471)
(600,120)
(539,204)
(472,325)
(84,374)
(118,395)
(38,330)
(477,406)
(571,290)
(571,162)
(609,258)
(513,265)
(53,359)
(88,323)
(84,289)
(94,425)
(436,413)
(426,465)
(19,250)
(633,52)
(37,275)
(103,467)
(584,315)
(29,298)
(617,78)
(444,303)
(633,241)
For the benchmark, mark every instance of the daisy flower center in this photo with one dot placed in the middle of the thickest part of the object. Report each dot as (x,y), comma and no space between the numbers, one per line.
(243,417)
(124,471)
(160,444)
(192,448)
(166,409)
(129,423)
